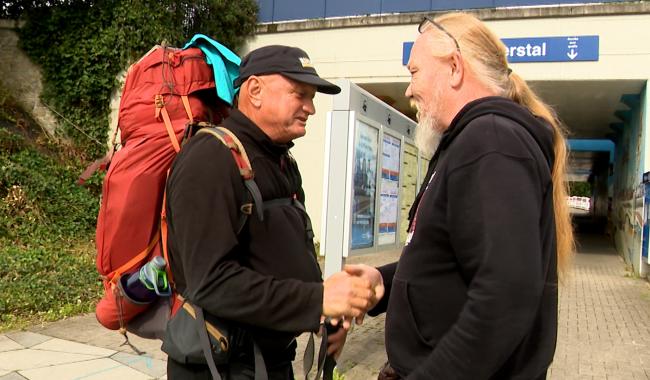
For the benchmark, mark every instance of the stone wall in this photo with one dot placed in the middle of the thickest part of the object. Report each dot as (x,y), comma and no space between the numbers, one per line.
(111,136)
(22,78)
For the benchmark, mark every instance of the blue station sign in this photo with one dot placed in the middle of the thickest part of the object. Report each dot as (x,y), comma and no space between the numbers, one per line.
(552,49)
(541,49)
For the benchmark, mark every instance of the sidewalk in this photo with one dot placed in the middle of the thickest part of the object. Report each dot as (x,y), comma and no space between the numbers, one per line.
(604,333)
(79,348)
(604,320)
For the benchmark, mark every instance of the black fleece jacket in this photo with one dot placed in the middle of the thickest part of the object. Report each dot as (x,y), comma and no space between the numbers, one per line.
(474,294)
(266,278)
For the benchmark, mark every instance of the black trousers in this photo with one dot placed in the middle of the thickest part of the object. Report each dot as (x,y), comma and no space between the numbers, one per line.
(232,371)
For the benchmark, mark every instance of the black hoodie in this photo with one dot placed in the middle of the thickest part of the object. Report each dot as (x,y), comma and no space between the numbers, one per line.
(474,294)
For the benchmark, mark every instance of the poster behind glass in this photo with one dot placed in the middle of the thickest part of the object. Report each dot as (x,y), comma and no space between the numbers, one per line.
(390,163)
(409,186)
(365,177)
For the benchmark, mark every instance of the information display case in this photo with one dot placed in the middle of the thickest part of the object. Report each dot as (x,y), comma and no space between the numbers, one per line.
(373,171)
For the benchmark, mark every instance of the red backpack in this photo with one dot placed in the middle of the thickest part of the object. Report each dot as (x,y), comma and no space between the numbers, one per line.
(163,92)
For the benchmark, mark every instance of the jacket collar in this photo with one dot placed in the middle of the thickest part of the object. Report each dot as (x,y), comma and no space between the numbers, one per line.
(245,128)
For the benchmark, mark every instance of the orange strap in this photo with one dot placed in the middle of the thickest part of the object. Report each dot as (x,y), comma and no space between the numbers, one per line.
(163,235)
(170,130)
(188,110)
(115,275)
(160,109)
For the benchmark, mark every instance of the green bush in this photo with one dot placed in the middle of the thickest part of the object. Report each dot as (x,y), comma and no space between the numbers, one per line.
(46,230)
(39,197)
(580,189)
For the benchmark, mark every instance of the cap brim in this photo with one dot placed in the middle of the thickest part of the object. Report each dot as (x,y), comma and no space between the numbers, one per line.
(321,84)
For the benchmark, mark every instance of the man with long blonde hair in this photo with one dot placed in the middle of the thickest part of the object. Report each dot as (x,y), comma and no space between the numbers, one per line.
(474,294)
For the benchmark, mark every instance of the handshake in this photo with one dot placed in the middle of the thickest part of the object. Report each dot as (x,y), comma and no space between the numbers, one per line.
(351,293)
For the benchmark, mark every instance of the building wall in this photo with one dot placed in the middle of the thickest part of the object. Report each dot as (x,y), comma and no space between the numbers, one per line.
(644,106)
(373,54)
(628,216)
(645,120)
(282,10)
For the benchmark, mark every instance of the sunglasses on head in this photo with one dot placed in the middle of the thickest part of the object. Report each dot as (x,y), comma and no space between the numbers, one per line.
(428,20)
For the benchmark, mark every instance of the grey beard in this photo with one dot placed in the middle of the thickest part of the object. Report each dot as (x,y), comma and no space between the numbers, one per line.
(427,135)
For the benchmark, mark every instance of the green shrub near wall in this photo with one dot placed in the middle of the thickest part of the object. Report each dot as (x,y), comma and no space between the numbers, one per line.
(84,45)
(46,226)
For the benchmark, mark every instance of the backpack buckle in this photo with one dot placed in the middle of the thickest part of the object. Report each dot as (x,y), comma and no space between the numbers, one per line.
(247,208)
(159,101)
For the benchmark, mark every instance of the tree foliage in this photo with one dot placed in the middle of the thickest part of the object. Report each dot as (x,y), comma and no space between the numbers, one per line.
(13,9)
(82,46)
(580,189)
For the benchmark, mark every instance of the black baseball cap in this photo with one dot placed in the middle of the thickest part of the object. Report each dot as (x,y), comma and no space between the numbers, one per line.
(291,62)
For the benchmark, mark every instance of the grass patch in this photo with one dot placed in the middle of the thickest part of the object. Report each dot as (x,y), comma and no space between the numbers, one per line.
(46,283)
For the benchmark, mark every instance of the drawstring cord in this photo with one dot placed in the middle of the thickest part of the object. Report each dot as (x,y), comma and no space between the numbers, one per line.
(118,300)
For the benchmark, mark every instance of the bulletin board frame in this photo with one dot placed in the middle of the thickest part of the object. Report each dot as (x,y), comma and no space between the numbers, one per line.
(361,171)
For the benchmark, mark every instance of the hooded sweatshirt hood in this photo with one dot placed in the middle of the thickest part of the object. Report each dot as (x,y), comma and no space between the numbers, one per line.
(538,128)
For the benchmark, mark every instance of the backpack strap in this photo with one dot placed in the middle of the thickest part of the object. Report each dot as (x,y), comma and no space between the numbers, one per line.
(163,235)
(243,163)
(296,203)
(206,347)
(205,343)
(101,163)
(188,109)
(115,275)
(162,111)
(326,363)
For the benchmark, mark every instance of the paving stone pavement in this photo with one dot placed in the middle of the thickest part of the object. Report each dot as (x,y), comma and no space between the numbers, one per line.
(604,318)
(604,333)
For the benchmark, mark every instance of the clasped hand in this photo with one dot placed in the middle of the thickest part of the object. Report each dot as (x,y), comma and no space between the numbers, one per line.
(351,293)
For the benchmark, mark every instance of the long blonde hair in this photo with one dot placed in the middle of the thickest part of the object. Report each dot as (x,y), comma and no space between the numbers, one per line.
(485,55)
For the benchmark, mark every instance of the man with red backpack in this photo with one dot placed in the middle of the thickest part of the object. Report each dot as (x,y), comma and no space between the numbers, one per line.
(242,251)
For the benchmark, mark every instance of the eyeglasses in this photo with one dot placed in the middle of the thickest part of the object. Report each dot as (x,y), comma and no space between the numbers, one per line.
(428,19)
